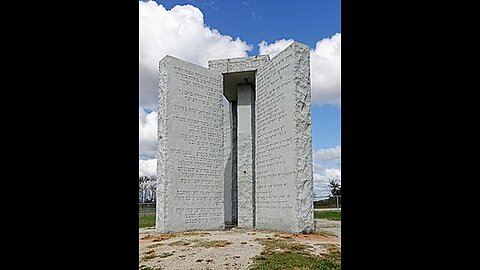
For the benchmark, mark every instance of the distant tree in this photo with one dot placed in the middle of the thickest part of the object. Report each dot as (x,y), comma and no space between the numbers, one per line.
(146,188)
(335,187)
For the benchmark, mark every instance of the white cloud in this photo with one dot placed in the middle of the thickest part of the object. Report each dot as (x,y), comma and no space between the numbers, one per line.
(332,173)
(274,48)
(147,167)
(326,166)
(321,188)
(179,32)
(147,126)
(327,153)
(325,64)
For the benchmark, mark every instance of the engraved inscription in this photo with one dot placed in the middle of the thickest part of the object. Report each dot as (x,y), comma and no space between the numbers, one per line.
(275,168)
(194,186)
(238,64)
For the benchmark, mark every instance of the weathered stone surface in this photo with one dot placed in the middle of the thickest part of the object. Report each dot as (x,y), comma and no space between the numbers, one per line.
(303,139)
(245,139)
(284,176)
(240,64)
(190,148)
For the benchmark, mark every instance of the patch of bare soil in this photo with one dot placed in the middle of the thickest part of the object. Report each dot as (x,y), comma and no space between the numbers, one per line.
(230,249)
(317,236)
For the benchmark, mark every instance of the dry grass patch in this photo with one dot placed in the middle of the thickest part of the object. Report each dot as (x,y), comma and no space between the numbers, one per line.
(316,236)
(320,236)
(282,254)
(159,237)
(151,254)
(212,243)
(272,245)
(195,233)
(201,243)
(164,254)
(155,245)
(181,243)
(326,233)
(333,252)
(284,236)
(144,267)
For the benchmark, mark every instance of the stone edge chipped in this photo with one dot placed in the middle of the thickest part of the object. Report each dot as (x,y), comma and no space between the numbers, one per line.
(303,138)
(162,144)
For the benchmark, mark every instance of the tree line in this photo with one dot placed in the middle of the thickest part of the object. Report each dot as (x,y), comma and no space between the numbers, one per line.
(147,189)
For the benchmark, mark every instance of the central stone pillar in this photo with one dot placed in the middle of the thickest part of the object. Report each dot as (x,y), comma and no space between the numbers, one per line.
(245,155)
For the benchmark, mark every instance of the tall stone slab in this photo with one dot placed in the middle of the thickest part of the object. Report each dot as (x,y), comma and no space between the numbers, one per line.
(284,176)
(245,150)
(190,153)
(229,163)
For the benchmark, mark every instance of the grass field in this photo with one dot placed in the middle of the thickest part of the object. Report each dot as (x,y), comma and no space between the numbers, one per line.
(284,254)
(287,261)
(146,220)
(331,215)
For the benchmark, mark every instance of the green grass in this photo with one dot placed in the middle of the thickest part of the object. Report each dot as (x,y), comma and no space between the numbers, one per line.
(331,215)
(288,261)
(283,254)
(147,220)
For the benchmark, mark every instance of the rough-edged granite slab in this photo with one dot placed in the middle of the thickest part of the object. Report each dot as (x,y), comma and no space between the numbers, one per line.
(284,176)
(190,148)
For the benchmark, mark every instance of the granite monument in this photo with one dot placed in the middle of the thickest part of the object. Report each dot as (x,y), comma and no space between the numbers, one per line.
(235,144)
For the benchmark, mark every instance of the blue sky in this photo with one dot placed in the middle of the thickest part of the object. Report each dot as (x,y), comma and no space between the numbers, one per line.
(241,26)
(254,21)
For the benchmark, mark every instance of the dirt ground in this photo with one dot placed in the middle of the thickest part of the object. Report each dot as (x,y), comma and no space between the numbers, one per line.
(229,249)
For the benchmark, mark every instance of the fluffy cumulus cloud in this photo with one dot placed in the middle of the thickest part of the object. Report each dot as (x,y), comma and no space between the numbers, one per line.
(274,48)
(179,32)
(326,166)
(147,125)
(147,167)
(325,63)
(327,153)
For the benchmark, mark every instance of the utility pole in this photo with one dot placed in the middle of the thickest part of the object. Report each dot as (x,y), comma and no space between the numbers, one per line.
(338,210)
